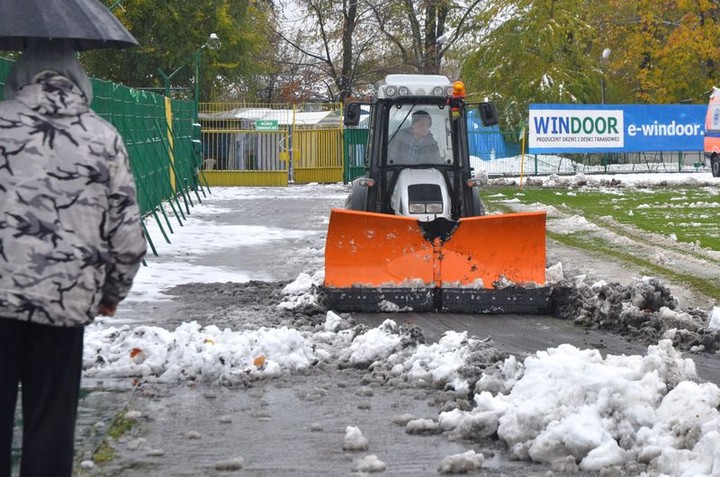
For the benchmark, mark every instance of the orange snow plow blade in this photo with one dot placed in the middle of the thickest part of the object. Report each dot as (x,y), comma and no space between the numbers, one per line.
(372,250)
(377,261)
(494,246)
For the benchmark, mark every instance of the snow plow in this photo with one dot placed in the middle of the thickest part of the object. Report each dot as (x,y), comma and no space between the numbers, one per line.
(414,235)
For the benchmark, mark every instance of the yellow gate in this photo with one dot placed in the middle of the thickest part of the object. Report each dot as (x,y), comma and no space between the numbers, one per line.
(271,145)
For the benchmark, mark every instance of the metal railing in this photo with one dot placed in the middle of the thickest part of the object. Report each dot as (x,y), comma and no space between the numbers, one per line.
(271,144)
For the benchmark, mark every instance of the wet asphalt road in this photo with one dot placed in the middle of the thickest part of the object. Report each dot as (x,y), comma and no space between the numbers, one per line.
(295,426)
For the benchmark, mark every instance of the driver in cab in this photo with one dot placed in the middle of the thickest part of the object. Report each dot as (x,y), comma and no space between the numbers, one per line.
(416,144)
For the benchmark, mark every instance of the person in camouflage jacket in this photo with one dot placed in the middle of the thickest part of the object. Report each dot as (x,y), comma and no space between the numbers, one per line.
(70,244)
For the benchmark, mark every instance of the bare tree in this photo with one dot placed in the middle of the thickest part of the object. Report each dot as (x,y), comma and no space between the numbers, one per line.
(350,44)
(421,33)
(329,42)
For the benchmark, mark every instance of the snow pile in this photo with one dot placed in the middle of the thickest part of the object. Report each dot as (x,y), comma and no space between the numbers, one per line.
(354,439)
(620,180)
(301,294)
(714,323)
(643,309)
(572,225)
(192,352)
(439,365)
(374,345)
(461,463)
(568,402)
(369,463)
(559,404)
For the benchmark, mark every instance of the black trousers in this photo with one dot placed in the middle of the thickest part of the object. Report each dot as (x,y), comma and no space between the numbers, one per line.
(47,360)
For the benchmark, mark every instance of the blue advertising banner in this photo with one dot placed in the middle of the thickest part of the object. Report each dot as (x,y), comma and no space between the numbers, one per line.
(571,128)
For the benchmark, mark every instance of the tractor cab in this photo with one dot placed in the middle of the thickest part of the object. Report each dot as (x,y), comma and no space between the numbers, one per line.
(417,160)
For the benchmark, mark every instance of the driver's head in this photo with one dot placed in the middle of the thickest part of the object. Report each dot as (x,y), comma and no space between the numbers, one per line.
(421,122)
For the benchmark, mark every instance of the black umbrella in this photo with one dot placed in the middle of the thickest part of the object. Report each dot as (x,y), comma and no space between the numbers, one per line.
(88,22)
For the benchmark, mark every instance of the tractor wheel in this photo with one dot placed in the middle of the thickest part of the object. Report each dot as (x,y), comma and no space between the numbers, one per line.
(478,206)
(715,165)
(357,198)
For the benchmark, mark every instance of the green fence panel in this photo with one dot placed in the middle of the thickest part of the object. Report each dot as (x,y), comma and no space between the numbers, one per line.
(354,144)
(133,113)
(186,148)
(5,65)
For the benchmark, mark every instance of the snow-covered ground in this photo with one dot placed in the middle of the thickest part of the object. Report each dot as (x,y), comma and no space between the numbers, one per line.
(566,406)
(546,164)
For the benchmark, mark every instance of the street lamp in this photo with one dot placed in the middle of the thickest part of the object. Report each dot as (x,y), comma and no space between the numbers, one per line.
(213,43)
(605,55)
(439,43)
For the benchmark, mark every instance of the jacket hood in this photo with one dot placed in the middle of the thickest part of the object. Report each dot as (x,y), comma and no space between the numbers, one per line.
(47,55)
(54,95)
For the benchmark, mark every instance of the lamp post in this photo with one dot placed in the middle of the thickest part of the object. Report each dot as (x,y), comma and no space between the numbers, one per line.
(603,64)
(605,55)
(439,44)
(213,43)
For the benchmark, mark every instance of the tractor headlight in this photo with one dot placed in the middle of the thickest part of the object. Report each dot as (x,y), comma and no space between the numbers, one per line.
(416,208)
(425,208)
(434,208)
(390,91)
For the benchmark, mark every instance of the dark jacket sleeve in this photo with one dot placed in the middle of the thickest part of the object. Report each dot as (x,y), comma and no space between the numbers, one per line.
(124,230)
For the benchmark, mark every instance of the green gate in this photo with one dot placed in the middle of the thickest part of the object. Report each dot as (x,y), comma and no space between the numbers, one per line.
(354,141)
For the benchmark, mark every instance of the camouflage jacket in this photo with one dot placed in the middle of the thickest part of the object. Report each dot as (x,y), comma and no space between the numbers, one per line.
(70,230)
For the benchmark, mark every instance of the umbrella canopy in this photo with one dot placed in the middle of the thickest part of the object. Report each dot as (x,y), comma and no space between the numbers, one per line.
(87,22)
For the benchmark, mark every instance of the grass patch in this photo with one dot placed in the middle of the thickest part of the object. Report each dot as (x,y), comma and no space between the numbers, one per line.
(647,267)
(690,214)
(105,453)
(119,427)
